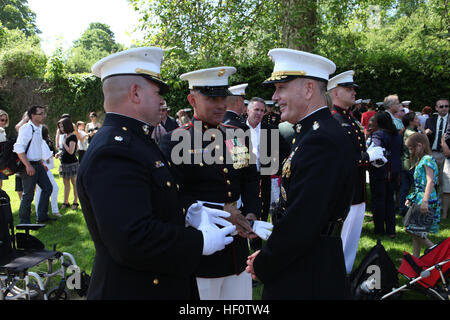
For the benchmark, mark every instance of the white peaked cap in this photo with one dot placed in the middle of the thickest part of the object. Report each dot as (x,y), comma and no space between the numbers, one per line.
(358,101)
(366,101)
(212,77)
(406,103)
(289,63)
(344,79)
(145,61)
(238,90)
(380,103)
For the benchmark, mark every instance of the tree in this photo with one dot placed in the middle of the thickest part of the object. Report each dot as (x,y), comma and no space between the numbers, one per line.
(15,14)
(96,42)
(20,56)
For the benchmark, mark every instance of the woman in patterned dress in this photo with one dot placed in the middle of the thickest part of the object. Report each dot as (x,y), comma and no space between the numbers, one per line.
(424,194)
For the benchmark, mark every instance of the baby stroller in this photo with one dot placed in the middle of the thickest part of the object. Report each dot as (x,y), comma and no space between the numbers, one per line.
(21,252)
(428,274)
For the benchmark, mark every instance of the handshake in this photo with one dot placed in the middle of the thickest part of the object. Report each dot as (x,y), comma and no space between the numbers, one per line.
(208,220)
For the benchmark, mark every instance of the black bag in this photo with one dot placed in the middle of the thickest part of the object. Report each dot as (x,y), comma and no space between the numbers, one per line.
(377,256)
(9,160)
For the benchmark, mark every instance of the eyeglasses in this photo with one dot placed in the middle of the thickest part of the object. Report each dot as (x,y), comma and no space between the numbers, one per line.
(443,106)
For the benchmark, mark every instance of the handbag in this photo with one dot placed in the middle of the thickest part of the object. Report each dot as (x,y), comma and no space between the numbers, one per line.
(417,223)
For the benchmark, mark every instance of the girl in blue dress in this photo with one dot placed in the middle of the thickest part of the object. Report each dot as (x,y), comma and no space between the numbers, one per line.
(424,194)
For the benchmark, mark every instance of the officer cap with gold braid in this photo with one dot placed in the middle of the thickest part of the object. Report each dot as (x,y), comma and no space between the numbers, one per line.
(145,62)
(290,64)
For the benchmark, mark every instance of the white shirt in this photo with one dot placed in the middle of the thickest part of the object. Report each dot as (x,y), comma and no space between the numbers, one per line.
(435,143)
(82,143)
(25,135)
(256,136)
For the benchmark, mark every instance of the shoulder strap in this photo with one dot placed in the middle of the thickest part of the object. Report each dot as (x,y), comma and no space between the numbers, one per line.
(32,135)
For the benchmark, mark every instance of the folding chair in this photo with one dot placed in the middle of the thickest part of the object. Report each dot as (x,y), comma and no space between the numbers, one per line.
(20,252)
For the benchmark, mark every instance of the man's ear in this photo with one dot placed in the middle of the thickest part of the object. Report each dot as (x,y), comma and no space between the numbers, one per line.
(134,93)
(192,98)
(309,87)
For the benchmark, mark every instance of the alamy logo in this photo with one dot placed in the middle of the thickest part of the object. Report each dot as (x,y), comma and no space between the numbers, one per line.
(375,276)
(74,280)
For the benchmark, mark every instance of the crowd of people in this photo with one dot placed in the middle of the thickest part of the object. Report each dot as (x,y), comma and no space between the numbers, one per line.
(307,167)
(37,151)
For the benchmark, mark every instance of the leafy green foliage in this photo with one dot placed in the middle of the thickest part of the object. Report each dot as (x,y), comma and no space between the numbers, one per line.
(96,42)
(20,55)
(15,14)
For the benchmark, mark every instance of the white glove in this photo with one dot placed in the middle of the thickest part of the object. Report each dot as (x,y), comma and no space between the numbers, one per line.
(217,216)
(375,153)
(262,229)
(215,239)
(198,215)
(376,165)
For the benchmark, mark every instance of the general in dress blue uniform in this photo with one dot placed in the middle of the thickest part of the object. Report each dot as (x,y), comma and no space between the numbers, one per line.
(303,257)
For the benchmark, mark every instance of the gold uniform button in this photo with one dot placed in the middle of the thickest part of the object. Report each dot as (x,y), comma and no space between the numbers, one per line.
(201,164)
(225,170)
(124,128)
(155,281)
(217,147)
(221,158)
(293,141)
(229,194)
(184,211)
(178,186)
(213,136)
(228,182)
(168,184)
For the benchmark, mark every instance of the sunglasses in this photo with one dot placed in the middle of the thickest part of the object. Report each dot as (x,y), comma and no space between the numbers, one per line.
(443,106)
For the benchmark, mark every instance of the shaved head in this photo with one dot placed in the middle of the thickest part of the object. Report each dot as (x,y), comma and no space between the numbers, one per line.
(116,90)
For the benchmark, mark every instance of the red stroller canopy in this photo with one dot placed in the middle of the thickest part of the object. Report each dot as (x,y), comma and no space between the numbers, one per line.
(411,266)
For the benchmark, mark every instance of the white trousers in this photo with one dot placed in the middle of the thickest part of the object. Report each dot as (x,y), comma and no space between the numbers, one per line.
(351,232)
(234,287)
(53,197)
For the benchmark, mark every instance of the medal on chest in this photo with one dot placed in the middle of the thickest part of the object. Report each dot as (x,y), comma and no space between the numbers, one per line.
(286,172)
(239,152)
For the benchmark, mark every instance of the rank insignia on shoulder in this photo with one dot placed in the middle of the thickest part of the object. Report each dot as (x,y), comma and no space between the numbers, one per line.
(118,138)
(316,125)
(159,164)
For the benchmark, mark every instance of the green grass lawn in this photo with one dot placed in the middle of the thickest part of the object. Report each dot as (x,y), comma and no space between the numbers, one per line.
(70,234)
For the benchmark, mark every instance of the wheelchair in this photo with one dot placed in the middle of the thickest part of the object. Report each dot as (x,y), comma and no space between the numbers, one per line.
(20,252)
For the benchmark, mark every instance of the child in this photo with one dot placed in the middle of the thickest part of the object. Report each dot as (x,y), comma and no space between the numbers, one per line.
(424,194)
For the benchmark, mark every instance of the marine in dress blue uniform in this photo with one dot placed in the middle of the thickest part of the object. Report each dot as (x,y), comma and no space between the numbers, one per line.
(342,92)
(219,183)
(303,257)
(235,107)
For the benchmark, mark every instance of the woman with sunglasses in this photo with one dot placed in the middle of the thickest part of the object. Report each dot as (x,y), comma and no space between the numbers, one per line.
(93,126)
